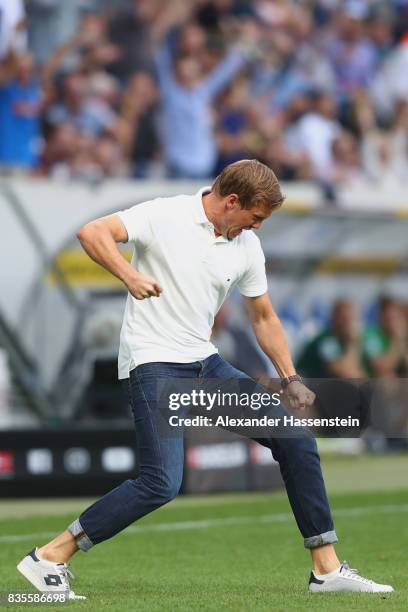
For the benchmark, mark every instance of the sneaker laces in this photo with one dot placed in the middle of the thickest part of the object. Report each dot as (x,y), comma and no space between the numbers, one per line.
(349,572)
(65,574)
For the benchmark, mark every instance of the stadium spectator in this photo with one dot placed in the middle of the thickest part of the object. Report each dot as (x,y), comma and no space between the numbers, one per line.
(336,352)
(277,149)
(346,162)
(315,132)
(385,158)
(285,162)
(386,357)
(83,165)
(92,50)
(192,40)
(390,84)
(314,70)
(20,106)
(383,151)
(352,54)
(51,24)
(380,28)
(234,125)
(130,31)
(386,344)
(187,95)
(59,151)
(109,157)
(214,14)
(322,98)
(138,110)
(79,108)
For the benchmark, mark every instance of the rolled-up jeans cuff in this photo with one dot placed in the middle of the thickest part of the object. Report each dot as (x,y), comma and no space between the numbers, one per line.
(329,537)
(82,540)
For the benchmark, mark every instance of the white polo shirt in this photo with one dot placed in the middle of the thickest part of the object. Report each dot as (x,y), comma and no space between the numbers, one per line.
(174,242)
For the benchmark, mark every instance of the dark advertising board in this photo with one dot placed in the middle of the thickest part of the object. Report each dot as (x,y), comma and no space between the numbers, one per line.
(91,461)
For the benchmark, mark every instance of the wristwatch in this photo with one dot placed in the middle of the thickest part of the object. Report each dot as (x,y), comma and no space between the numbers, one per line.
(286,381)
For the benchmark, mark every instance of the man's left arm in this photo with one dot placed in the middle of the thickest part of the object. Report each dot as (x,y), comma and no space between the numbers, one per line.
(222,75)
(272,340)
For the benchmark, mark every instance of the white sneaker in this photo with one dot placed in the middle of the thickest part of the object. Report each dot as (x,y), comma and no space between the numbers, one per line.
(346,579)
(47,576)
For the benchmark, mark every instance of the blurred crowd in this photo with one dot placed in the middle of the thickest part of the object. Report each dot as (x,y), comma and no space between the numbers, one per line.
(344,345)
(337,342)
(317,89)
(347,349)
(344,348)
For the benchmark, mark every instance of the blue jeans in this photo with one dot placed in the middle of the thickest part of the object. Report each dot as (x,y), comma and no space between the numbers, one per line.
(161,460)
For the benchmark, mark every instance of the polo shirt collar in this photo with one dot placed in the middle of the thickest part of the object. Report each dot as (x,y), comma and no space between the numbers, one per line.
(199,214)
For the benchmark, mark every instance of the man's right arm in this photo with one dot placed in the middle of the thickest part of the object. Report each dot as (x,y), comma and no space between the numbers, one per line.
(99,238)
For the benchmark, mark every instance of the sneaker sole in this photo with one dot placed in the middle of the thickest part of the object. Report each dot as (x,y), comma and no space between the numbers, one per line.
(349,591)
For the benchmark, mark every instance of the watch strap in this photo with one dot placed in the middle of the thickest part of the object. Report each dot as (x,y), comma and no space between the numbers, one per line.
(289,379)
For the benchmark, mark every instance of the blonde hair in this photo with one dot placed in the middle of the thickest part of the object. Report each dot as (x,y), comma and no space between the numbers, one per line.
(254,183)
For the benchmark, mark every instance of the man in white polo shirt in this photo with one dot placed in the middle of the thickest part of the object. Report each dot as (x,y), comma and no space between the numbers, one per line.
(175,244)
(189,252)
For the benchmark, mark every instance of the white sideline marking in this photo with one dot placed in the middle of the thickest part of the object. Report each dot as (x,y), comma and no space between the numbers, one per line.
(229,520)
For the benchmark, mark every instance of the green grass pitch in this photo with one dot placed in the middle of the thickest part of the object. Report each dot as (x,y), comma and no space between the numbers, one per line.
(230,552)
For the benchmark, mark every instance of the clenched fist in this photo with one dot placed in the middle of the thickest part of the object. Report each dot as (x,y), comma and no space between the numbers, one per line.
(142,286)
(299,396)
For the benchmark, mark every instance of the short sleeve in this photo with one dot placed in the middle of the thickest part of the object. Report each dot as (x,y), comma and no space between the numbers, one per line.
(137,221)
(253,282)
